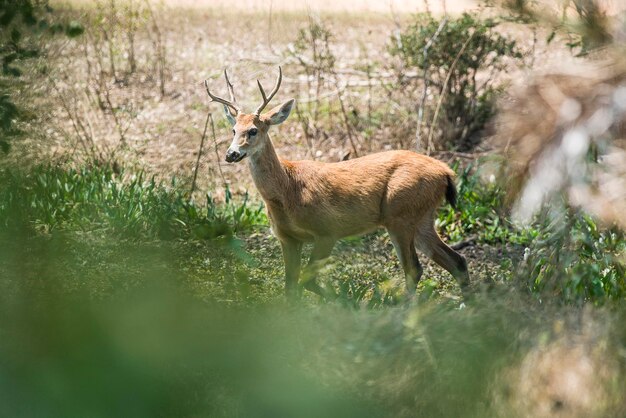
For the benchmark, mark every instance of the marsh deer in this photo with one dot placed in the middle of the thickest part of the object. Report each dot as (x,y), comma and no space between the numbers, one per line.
(311,201)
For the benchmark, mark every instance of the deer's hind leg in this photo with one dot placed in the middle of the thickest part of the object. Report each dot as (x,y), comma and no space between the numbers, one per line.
(403,242)
(430,243)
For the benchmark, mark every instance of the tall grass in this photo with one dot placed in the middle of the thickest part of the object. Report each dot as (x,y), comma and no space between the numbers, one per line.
(566,257)
(97,199)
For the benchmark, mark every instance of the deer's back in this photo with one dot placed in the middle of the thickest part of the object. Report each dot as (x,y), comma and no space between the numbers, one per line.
(359,195)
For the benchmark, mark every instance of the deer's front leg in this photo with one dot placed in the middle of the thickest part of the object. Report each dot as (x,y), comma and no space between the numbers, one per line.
(292,251)
(321,251)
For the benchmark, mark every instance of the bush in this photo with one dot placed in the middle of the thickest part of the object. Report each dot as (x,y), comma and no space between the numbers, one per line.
(466,103)
(575,260)
(480,212)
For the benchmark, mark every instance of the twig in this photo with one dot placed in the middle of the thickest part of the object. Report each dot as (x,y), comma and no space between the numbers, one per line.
(443,91)
(81,133)
(304,122)
(217,153)
(159,48)
(346,120)
(420,110)
(195,171)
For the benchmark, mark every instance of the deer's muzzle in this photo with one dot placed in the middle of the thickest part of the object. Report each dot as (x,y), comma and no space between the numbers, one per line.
(234,156)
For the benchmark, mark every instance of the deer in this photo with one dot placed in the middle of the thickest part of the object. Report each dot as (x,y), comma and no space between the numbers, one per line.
(318,202)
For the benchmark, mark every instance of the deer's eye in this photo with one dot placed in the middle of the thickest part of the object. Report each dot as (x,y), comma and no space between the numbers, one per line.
(233,132)
(252,132)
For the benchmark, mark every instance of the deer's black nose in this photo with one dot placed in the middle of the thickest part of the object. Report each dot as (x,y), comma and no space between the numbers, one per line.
(232,156)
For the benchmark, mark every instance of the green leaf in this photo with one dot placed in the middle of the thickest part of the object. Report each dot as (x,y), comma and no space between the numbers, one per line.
(74,29)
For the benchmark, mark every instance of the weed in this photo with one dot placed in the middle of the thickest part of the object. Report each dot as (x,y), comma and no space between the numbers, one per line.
(479,213)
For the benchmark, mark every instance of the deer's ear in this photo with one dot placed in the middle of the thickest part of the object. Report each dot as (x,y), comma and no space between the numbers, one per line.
(278,114)
(229,116)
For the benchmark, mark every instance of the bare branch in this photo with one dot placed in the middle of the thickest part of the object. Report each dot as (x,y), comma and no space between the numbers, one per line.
(443,92)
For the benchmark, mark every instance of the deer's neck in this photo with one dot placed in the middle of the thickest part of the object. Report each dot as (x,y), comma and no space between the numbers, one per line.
(268,173)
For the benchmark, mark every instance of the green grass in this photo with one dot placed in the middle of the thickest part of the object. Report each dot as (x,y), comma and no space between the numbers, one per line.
(480,213)
(120,296)
(148,345)
(99,199)
(574,260)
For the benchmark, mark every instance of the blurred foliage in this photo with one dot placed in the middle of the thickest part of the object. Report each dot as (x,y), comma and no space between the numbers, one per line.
(467,103)
(96,198)
(564,169)
(569,256)
(153,348)
(24,24)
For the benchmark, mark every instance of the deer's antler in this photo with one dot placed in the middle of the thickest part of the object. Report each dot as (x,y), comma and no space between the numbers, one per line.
(232,103)
(267,99)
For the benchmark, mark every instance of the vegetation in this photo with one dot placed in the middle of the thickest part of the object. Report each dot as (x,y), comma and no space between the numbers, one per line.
(458,49)
(101,290)
(96,198)
(575,260)
(123,291)
(23,26)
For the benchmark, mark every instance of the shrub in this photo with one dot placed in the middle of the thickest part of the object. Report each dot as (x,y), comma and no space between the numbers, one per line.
(312,51)
(464,47)
(480,212)
(575,260)
(568,256)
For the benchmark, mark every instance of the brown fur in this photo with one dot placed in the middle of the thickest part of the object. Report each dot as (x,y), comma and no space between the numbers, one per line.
(311,201)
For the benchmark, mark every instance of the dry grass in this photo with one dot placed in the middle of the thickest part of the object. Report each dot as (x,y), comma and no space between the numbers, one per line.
(162,133)
(350,6)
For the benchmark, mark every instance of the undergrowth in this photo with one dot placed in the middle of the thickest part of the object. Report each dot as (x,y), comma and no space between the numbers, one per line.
(189,328)
(96,198)
(568,258)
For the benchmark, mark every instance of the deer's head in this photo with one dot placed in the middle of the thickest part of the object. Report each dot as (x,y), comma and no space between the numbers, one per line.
(250,129)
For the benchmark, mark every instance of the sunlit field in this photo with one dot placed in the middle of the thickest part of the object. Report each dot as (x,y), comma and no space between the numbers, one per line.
(140,273)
